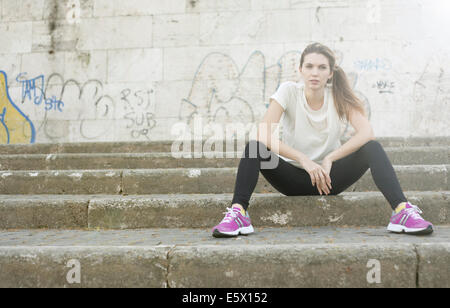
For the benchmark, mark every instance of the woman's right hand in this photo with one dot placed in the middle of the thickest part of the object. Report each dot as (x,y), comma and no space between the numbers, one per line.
(319,177)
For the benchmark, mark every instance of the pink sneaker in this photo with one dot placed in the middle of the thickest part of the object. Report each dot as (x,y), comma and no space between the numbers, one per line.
(409,221)
(233,224)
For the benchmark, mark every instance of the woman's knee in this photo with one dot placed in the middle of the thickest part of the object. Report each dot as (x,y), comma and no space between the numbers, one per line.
(372,146)
(371,149)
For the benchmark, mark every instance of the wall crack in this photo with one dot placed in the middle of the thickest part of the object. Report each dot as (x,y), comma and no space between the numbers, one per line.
(168,256)
(121,184)
(417,265)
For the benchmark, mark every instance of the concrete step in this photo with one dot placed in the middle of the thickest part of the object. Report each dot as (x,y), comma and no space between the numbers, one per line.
(270,258)
(206,211)
(397,156)
(166,145)
(61,182)
(186,181)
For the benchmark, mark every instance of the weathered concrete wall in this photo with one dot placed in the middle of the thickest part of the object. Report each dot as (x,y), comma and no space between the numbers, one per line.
(110,70)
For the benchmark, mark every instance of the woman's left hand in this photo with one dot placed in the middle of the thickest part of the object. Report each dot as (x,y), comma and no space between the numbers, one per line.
(326,165)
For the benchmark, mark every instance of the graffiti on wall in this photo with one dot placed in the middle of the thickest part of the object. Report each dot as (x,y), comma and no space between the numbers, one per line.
(88,104)
(139,109)
(85,102)
(221,92)
(377,64)
(32,90)
(15,126)
(384,86)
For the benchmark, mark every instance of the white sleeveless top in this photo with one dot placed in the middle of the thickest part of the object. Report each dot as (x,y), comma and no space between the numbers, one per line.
(314,133)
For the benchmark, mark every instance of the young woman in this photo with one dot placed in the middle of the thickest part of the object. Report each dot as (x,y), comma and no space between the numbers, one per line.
(311,159)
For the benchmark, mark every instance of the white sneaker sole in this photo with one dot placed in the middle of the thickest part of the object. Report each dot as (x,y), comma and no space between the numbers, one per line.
(243,231)
(402,229)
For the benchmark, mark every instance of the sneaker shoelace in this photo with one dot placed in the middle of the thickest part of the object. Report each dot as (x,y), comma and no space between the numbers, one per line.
(230,214)
(414,211)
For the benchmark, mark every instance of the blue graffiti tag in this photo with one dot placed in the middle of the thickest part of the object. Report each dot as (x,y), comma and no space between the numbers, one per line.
(373,64)
(53,104)
(31,89)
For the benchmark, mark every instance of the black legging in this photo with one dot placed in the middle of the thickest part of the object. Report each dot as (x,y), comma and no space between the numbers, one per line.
(292,181)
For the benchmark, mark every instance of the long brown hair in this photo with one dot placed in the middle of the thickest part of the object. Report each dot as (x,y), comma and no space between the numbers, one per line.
(344,98)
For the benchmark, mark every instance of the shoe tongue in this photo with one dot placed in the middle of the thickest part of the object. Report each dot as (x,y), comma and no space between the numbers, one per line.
(404,206)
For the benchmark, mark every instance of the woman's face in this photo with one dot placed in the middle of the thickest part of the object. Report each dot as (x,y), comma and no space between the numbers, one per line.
(316,71)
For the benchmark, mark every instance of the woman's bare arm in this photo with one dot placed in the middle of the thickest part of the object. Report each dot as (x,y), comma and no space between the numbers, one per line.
(364,133)
(268,125)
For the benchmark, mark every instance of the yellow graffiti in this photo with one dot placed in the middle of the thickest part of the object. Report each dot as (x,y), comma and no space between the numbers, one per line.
(15,127)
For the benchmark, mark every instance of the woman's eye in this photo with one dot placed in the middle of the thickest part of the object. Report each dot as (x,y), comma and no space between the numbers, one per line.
(321,67)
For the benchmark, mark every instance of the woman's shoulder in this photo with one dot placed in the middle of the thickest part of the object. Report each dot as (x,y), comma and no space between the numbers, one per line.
(291,87)
(291,84)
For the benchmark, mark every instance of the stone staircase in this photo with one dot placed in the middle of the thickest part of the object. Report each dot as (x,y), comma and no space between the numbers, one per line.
(131,215)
